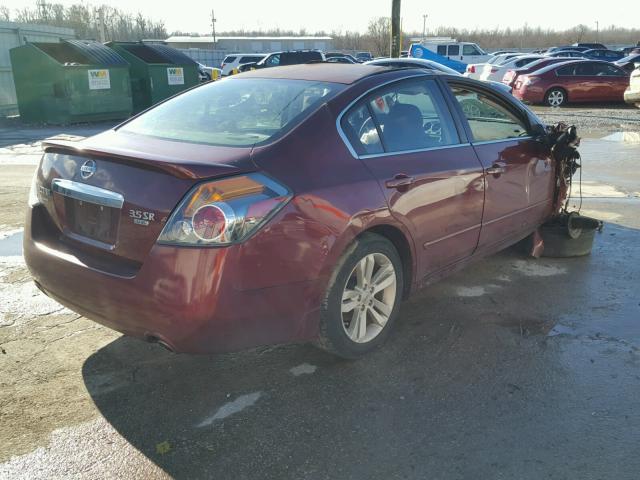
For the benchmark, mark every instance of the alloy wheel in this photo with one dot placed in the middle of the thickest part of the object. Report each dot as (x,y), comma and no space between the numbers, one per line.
(368,297)
(555,98)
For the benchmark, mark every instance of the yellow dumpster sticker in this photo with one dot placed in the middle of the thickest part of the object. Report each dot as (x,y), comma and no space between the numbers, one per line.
(99,79)
(175,75)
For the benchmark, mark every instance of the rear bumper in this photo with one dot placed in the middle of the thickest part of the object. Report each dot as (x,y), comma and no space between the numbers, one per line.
(529,94)
(196,300)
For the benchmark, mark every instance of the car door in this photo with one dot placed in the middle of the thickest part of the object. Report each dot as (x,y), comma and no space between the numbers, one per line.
(518,169)
(611,83)
(432,180)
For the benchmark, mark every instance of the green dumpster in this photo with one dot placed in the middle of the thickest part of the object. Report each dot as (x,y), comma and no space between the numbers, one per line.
(157,71)
(71,81)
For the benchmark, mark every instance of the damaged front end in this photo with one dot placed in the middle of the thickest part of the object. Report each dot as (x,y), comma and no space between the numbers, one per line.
(567,233)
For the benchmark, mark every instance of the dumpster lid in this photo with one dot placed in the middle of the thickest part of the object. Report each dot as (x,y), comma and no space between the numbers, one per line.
(81,52)
(156,53)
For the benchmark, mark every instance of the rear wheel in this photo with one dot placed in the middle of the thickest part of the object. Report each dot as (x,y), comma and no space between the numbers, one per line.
(362,299)
(556,97)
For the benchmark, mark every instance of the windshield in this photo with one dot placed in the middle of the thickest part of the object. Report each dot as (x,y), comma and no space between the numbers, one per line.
(234,112)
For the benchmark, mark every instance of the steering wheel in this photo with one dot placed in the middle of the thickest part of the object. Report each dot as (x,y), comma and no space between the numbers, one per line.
(433,129)
(367,126)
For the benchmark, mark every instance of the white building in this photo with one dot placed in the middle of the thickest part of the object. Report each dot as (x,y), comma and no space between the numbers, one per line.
(251,44)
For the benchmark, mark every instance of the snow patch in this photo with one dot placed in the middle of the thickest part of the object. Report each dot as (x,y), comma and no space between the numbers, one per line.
(537,269)
(303,369)
(231,408)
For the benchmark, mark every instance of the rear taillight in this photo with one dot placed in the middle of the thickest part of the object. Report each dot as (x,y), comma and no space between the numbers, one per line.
(471,68)
(224,211)
(494,69)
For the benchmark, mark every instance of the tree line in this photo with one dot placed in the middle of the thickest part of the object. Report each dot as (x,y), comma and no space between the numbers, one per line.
(108,23)
(97,22)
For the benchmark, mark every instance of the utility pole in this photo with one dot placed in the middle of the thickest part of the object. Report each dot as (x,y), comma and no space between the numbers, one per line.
(424,27)
(597,30)
(213,27)
(395,29)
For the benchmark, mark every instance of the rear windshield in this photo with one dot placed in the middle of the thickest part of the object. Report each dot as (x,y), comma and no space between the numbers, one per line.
(234,112)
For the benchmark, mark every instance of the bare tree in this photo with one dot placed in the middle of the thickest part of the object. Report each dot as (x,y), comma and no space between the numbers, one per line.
(379,33)
(5,13)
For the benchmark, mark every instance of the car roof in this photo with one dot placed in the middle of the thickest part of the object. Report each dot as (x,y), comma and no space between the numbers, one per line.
(569,62)
(321,72)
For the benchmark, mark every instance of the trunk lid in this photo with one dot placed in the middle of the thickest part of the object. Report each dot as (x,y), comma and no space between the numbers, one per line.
(109,196)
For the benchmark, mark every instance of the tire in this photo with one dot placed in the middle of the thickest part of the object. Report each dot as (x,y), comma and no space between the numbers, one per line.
(339,330)
(556,97)
(560,242)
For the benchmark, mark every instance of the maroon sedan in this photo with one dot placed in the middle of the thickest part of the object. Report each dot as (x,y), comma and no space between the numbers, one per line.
(573,81)
(511,77)
(286,204)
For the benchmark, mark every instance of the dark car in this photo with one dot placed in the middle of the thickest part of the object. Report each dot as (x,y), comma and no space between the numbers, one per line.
(341,59)
(365,56)
(600,54)
(566,53)
(567,47)
(427,64)
(286,204)
(343,55)
(573,81)
(590,46)
(279,59)
(511,76)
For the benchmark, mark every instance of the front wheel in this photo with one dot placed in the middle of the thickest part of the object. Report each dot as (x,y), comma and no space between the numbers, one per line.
(556,97)
(362,299)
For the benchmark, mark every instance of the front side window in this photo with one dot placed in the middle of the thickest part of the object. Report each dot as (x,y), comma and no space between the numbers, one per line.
(273,60)
(586,69)
(488,119)
(236,112)
(470,50)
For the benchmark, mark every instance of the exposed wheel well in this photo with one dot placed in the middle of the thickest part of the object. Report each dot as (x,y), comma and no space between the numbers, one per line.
(399,241)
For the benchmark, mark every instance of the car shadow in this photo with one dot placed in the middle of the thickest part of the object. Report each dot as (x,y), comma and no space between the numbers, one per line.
(465,351)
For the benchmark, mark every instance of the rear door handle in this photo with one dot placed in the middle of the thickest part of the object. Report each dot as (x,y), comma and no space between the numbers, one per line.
(496,169)
(399,181)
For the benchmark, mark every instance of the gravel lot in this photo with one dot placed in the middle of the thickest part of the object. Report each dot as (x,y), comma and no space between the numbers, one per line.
(514,368)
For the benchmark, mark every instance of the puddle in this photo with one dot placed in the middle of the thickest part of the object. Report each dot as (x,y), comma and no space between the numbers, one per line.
(625,137)
(11,244)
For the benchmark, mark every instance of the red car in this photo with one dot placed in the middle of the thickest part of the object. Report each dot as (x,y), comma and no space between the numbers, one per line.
(286,204)
(512,76)
(573,81)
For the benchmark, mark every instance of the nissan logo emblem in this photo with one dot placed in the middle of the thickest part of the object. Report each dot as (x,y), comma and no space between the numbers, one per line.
(87,169)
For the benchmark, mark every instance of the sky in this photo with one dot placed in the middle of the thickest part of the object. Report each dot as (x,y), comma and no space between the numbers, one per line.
(328,15)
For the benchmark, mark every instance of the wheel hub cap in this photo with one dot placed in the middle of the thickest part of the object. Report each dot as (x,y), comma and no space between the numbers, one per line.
(368,297)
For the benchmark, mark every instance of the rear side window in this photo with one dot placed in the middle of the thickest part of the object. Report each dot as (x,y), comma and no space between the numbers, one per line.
(408,115)
(488,119)
(442,50)
(250,59)
(566,71)
(229,59)
(234,113)
(454,49)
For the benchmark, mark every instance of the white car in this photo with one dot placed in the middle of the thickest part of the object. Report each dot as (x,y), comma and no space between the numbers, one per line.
(474,70)
(496,72)
(234,61)
(632,93)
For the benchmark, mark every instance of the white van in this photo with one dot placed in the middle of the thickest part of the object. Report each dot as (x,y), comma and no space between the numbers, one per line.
(461,51)
(235,60)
